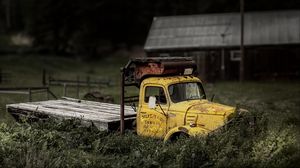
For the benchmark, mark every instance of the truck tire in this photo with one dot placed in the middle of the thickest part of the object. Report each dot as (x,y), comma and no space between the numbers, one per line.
(178,135)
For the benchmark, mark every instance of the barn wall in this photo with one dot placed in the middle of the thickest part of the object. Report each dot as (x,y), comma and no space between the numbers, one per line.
(261,63)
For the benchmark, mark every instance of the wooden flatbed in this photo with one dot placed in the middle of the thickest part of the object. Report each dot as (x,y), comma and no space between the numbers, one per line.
(104,116)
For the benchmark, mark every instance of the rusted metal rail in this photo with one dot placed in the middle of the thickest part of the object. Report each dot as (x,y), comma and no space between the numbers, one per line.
(78,83)
(81,83)
(27,91)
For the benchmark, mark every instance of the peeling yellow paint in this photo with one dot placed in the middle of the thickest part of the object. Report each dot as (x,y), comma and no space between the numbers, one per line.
(198,117)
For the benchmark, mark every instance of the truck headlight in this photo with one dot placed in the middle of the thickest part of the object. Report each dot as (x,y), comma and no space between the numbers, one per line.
(192,124)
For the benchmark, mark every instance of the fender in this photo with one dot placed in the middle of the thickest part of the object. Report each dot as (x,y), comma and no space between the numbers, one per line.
(191,131)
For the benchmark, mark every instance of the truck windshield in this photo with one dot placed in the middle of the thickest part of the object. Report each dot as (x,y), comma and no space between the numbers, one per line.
(186,91)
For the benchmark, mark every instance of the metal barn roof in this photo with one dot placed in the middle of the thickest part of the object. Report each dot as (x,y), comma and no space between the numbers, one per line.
(223,30)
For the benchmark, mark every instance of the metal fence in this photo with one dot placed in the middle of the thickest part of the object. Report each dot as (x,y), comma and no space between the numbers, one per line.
(27,91)
(79,82)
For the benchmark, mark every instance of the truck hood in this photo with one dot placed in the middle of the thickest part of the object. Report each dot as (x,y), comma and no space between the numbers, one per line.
(202,113)
(202,107)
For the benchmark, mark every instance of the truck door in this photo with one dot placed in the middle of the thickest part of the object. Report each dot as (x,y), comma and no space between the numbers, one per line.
(153,122)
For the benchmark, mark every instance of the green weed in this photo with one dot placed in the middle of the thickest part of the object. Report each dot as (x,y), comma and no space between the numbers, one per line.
(272,142)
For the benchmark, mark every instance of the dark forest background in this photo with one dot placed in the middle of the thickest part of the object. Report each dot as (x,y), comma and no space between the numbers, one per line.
(95,27)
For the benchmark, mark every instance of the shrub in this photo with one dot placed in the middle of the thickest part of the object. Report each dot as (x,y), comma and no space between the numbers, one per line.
(279,148)
(68,144)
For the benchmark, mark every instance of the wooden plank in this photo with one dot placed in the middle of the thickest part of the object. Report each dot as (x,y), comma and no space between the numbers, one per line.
(41,109)
(86,109)
(101,125)
(63,113)
(86,104)
(71,107)
(108,109)
(94,103)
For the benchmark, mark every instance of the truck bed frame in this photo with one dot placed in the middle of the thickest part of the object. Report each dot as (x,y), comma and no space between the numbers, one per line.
(104,116)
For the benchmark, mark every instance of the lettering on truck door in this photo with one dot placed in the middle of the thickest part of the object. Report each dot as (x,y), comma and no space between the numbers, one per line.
(153,122)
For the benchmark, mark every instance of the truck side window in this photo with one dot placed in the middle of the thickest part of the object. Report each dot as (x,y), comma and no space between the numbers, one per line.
(186,91)
(158,92)
(175,93)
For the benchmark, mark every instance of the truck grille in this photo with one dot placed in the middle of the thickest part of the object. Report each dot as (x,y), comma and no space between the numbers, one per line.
(191,118)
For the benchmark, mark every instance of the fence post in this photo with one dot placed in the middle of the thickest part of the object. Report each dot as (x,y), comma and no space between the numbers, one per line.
(65,90)
(44,77)
(29,95)
(77,89)
(49,79)
(88,83)
(47,93)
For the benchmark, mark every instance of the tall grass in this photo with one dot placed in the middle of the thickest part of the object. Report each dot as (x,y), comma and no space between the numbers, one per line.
(272,142)
(68,144)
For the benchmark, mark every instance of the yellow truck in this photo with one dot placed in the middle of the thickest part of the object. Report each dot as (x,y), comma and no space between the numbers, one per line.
(171,100)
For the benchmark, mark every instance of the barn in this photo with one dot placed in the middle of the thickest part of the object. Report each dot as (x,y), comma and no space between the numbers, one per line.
(271,39)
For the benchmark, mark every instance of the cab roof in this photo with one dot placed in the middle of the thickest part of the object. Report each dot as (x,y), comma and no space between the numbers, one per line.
(139,69)
(167,80)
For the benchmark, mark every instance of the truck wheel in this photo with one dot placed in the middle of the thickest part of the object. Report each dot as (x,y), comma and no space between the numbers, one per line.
(178,135)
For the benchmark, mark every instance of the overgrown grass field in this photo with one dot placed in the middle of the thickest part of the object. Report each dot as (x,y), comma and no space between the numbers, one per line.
(272,142)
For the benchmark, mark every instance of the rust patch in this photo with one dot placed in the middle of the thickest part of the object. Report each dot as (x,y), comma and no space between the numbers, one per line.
(209,107)
(149,68)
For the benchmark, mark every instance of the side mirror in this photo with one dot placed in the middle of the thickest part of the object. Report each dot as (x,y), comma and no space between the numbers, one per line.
(152,102)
